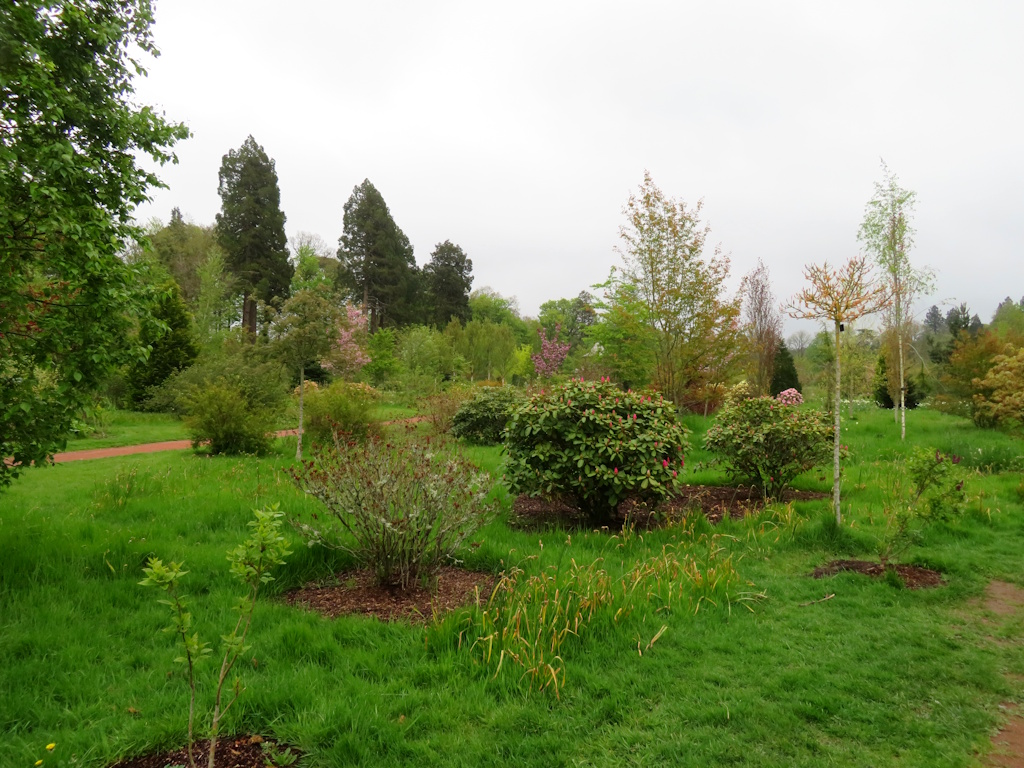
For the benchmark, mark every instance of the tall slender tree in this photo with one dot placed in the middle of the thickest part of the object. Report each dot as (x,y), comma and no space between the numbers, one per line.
(838,296)
(448,278)
(250,227)
(377,265)
(763,327)
(888,235)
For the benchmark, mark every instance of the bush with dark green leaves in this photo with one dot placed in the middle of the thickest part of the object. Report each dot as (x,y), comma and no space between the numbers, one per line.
(482,420)
(593,445)
(766,443)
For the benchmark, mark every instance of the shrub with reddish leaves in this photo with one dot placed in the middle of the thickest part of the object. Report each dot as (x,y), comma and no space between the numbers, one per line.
(592,444)
(401,508)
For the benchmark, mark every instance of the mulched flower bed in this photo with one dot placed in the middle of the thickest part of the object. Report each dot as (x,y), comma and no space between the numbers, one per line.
(913,576)
(357,592)
(712,500)
(241,752)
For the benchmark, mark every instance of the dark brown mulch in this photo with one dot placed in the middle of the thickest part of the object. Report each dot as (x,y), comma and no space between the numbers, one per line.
(712,500)
(357,592)
(242,752)
(913,576)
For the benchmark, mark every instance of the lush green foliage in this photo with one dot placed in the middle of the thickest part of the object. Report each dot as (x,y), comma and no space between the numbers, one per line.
(341,407)
(448,278)
(221,417)
(171,342)
(784,375)
(251,563)
(765,443)
(73,146)
(401,508)
(595,444)
(1001,400)
(483,418)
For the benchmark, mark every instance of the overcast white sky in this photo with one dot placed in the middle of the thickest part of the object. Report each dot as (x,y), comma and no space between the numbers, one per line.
(518,130)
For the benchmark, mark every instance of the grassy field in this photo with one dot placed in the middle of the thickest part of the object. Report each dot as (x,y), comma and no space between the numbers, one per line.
(875,676)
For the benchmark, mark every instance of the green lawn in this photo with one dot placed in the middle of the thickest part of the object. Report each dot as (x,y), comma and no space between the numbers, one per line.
(117,428)
(875,676)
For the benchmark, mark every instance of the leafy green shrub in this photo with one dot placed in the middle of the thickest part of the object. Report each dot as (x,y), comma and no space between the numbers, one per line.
(483,419)
(220,414)
(401,509)
(592,443)
(342,407)
(767,444)
(926,488)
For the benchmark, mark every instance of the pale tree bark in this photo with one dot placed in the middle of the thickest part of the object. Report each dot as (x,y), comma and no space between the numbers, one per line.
(302,389)
(837,434)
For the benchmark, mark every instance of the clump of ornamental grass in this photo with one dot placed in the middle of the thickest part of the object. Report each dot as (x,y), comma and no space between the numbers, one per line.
(251,562)
(531,621)
(401,508)
(594,445)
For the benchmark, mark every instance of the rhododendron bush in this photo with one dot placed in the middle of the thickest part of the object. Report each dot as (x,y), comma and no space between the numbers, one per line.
(592,444)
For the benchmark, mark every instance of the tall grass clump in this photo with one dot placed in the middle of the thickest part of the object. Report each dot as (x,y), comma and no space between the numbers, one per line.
(531,620)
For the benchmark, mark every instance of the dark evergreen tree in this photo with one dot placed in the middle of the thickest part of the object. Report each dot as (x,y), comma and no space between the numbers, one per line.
(784,376)
(250,227)
(447,279)
(377,266)
(933,320)
(958,319)
(172,347)
(883,397)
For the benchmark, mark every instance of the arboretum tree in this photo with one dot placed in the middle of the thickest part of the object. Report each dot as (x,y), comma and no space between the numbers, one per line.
(448,278)
(183,248)
(168,335)
(572,316)
(680,292)
(763,327)
(784,375)
(838,296)
(250,227)
(71,138)
(377,267)
(888,235)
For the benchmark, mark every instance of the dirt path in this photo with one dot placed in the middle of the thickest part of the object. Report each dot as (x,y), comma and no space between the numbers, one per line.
(1006,601)
(129,450)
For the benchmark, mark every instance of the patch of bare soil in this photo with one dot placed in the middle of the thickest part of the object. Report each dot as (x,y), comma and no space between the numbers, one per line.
(1006,600)
(358,592)
(913,576)
(713,501)
(242,752)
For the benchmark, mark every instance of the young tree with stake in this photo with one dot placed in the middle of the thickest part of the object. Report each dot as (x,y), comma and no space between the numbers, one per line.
(841,296)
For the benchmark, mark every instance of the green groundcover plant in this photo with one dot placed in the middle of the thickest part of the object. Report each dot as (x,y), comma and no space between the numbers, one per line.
(767,443)
(251,562)
(483,419)
(591,443)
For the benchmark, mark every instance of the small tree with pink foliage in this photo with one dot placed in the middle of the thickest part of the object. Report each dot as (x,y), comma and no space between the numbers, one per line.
(552,354)
(348,355)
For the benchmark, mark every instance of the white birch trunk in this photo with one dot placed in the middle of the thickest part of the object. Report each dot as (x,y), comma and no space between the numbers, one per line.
(836,435)
(302,387)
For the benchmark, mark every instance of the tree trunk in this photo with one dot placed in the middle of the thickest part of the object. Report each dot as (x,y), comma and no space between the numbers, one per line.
(249,314)
(903,387)
(836,436)
(302,388)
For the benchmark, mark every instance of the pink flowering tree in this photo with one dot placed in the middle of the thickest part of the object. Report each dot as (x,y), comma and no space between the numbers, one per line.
(348,354)
(552,354)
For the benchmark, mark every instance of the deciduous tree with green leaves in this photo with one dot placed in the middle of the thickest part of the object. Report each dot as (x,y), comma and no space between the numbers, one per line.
(71,142)
(888,234)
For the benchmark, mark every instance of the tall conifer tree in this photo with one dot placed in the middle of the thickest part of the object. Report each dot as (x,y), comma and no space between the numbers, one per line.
(378,269)
(448,278)
(250,227)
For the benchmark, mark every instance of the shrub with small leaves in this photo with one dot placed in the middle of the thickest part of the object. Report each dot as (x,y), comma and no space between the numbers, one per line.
(767,444)
(790,397)
(593,444)
(441,407)
(220,415)
(341,407)
(482,420)
(401,508)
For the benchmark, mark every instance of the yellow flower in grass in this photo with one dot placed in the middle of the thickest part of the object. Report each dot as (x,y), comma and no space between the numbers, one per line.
(50,747)
(39,762)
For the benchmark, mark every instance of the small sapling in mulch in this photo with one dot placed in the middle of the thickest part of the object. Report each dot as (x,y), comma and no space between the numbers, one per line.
(251,562)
